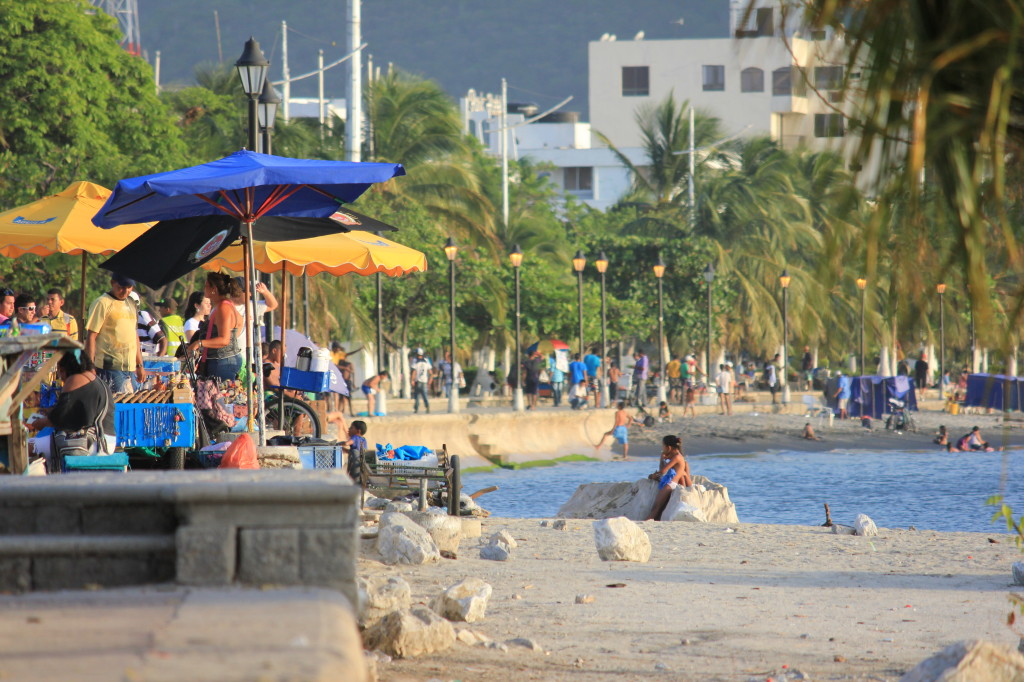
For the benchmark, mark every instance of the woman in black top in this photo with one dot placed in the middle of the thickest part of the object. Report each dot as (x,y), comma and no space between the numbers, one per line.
(82,399)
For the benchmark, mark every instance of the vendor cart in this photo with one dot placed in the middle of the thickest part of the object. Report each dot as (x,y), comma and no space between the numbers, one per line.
(25,362)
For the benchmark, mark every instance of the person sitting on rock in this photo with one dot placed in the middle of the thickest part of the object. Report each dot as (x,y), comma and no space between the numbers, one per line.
(674,471)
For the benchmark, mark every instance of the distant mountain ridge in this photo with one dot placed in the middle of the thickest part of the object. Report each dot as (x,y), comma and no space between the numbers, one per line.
(540,46)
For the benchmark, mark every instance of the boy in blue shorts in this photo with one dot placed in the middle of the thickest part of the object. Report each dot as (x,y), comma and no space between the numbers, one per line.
(619,430)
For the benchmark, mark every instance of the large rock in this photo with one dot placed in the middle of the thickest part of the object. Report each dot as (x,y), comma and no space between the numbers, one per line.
(408,633)
(496,551)
(380,595)
(403,541)
(705,500)
(1018,572)
(446,531)
(971,661)
(464,601)
(620,539)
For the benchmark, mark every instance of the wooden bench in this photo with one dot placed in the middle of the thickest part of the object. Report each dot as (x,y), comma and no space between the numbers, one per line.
(446,475)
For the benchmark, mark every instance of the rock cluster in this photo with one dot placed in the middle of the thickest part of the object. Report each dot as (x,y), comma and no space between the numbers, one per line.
(400,540)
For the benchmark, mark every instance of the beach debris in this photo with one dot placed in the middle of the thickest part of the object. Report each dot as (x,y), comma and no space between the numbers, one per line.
(516,597)
(969,661)
(993,541)
(380,595)
(616,585)
(1018,572)
(525,643)
(660,666)
(500,646)
(839,659)
(464,601)
(496,550)
(444,530)
(560,524)
(840,529)
(543,524)
(828,517)
(402,541)
(411,632)
(504,536)
(483,491)
(865,526)
(579,663)
(729,530)
(620,539)
(398,506)
(585,599)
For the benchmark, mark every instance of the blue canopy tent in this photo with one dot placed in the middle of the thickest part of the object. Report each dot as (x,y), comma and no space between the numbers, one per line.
(996,391)
(870,395)
(245,186)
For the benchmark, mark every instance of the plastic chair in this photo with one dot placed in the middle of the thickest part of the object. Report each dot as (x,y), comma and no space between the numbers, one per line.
(817,408)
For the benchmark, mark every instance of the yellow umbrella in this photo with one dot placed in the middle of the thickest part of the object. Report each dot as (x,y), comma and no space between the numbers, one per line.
(363,253)
(62,223)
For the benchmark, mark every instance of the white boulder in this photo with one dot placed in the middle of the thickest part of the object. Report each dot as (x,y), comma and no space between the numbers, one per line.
(865,526)
(619,539)
(971,661)
(496,551)
(445,530)
(705,500)
(408,633)
(380,595)
(464,601)
(506,537)
(402,541)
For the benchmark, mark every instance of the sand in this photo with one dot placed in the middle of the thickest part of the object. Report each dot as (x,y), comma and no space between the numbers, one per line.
(718,605)
(763,601)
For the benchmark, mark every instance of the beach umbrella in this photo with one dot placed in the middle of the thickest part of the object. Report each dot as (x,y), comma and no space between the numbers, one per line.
(548,346)
(246,186)
(62,223)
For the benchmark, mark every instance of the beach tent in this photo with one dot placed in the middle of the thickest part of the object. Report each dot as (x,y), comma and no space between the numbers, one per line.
(870,395)
(996,391)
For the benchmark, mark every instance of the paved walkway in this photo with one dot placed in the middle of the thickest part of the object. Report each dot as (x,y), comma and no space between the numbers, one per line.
(169,633)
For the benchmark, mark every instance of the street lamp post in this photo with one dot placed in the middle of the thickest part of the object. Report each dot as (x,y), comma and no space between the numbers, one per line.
(709,277)
(659,273)
(784,280)
(252,69)
(516,258)
(382,395)
(862,285)
(941,289)
(266,112)
(579,261)
(451,250)
(602,267)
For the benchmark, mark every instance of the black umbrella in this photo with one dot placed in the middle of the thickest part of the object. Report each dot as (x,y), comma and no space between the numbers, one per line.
(173,248)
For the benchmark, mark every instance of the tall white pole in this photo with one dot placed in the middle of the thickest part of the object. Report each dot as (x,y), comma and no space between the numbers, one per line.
(354,97)
(693,163)
(156,71)
(320,91)
(287,74)
(504,152)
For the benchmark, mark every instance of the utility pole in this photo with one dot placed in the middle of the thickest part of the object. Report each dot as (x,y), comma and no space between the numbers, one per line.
(286,72)
(504,152)
(354,97)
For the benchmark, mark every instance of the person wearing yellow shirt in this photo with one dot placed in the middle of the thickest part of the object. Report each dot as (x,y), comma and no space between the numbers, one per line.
(56,317)
(111,341)
(673,370)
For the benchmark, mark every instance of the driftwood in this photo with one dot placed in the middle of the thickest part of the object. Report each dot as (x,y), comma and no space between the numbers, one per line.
(828,517)
(483,491)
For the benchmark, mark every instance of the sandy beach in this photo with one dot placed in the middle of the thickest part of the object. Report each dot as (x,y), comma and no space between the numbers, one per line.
(739,602)
(711,604)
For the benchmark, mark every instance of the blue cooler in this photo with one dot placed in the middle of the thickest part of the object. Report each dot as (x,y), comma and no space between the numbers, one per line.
(118,461)
(313,382)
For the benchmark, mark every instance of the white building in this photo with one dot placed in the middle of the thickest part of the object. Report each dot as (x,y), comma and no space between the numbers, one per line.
(558,141)
(772,77)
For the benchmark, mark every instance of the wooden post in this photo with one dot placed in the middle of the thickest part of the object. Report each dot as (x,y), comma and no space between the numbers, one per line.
(81,309)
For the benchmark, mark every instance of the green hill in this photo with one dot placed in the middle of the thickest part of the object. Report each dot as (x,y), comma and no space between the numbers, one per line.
(540,46)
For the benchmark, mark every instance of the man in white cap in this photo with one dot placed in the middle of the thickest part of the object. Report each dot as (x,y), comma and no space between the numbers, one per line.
(421,372)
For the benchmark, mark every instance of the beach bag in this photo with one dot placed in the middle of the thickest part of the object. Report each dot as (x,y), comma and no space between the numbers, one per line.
(241,454)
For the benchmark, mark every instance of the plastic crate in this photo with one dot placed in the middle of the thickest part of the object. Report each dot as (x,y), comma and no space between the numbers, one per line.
(314,382)
(153,425)
(321,456)
(25,329)
(162,365)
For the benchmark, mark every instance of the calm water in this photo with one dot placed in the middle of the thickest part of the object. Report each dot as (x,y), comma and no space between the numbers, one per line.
(932,490)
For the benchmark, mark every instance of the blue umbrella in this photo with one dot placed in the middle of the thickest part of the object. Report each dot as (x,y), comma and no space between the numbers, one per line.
(245,186)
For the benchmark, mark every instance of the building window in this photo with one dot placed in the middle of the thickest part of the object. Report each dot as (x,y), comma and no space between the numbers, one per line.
(829,125)
(635,81)
(828,77)
(714,77)
(578,179)
(752,80)
(782,81)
